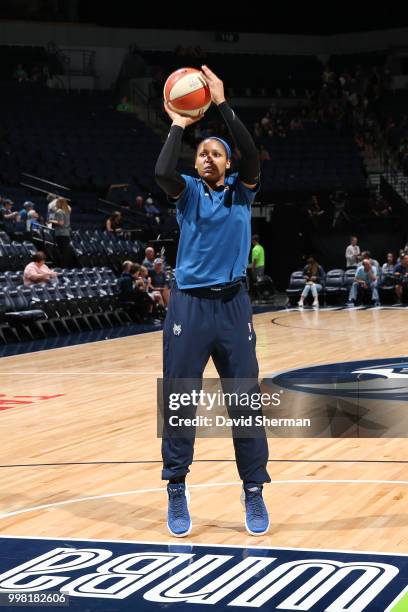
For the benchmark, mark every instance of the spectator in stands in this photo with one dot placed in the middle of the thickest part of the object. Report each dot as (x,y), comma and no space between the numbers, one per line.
(257,259)
(113,224)
(266,122)
(20,74)
(51,197)
(148,261)
(159,281)
(131,290)
(127,280)
(328,76)
(401,254)
(154,295)
(9,217)
(36,74)
(264,153)
(401,278)
(32,220)
(7,211)
(144,275)
(367,255)
(37,271)
(339,201)
(52,208)
(151,209)
(258,132)
(314,211)
(62,229)
(27,206)
(352,253)
(139,201)
(365,278)
(389,265)
(124,106)
(388,278)
(126,265)
(314,275)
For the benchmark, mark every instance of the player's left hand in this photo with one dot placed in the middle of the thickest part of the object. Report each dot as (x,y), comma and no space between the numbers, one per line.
(215,84)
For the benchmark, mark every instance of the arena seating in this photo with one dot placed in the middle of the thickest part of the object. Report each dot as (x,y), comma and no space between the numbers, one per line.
(337,285)
(73,139)
(347,62)
(316,159)
(82,299)
(28,56)
(263,73)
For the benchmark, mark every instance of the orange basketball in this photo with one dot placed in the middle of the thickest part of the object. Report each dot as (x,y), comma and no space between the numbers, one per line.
(187,92)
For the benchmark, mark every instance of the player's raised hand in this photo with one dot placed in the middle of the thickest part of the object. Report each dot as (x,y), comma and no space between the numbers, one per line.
(180,120)
(215,84)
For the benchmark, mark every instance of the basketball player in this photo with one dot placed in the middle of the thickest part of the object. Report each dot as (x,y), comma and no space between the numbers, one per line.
(209,312)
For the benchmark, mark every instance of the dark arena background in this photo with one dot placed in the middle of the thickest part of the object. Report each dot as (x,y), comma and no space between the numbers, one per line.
(88,283)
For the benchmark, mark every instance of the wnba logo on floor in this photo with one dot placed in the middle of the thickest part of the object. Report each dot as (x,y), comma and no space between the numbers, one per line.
(150,575)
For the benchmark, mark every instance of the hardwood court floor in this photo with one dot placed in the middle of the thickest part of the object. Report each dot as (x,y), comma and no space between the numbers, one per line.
(78,465)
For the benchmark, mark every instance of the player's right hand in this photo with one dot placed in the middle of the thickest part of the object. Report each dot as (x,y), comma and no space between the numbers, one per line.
(180,119)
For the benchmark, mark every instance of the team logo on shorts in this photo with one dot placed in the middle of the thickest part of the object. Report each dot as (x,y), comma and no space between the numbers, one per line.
(177,329)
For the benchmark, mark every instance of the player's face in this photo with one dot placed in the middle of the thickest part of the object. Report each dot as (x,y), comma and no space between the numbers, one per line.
(211,161)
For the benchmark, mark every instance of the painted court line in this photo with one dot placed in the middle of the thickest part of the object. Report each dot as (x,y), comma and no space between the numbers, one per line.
(196,486)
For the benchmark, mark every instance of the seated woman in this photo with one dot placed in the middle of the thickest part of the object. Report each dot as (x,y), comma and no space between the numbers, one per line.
(314,274)
(155,296)
(113,223)
(388,267)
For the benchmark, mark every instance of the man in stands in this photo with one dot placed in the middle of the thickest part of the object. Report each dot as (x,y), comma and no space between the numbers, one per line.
(257,259)
(367,255)
(33,220)
(37,271)
(8,215)
(150,207)
(148,261)
(365,278)
(401,278)
(159,281)
(27,206)
(131,290)
(352,253)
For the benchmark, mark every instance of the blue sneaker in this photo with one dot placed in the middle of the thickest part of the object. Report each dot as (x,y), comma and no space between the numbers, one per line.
(178,517)
(256,514)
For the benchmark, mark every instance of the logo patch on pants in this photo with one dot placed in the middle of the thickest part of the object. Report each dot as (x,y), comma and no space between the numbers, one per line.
(177,329)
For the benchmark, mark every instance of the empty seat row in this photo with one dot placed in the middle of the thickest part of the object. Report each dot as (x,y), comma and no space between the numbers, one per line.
(15,255)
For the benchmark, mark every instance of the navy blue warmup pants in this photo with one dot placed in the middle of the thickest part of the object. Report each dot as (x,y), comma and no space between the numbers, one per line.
(195,329)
